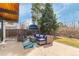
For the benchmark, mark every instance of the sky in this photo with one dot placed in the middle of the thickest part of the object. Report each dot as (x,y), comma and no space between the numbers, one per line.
(66,13)
(24,12)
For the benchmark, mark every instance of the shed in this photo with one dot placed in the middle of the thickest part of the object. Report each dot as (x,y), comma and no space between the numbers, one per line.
(9,12)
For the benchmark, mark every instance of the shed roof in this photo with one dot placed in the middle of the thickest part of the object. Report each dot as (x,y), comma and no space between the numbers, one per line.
(9,12)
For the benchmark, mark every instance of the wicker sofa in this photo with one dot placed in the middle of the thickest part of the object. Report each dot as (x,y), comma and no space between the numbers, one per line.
(41,39)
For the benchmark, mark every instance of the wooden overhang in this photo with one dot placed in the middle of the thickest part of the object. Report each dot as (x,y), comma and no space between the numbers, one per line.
(9,12)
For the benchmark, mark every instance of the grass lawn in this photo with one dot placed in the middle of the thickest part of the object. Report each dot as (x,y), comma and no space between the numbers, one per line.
(69,41)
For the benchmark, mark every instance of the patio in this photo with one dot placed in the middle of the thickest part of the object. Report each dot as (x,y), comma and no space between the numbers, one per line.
(14,48)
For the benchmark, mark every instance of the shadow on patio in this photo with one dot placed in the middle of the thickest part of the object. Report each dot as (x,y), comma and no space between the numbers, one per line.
(14,48)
